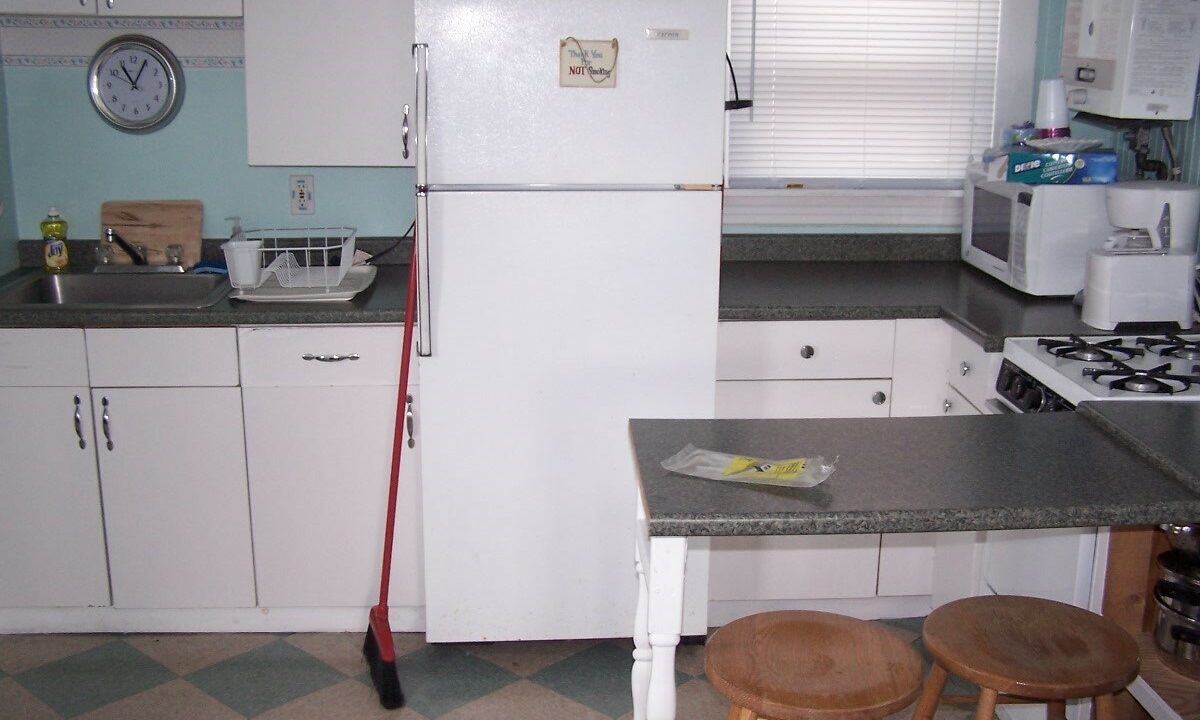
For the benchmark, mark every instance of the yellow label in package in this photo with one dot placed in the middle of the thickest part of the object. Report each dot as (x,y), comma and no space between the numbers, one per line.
(741,467)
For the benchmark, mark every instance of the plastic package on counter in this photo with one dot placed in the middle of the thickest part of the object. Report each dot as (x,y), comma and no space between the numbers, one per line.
(800,472)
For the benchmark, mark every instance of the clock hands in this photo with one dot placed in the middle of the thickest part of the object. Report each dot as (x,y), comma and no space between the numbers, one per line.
(139,75)
(132,82)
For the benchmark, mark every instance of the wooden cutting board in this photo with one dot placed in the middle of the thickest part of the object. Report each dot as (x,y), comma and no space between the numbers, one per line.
(154,224)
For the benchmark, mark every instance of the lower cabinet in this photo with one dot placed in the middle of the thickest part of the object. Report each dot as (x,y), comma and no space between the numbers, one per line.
(320,408)
(318,491)
(173,477)
(51,534)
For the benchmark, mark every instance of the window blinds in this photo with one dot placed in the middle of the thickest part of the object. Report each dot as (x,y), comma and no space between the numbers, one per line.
(854,90)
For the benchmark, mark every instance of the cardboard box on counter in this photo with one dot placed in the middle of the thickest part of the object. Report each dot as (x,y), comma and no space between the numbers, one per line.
(1088,167)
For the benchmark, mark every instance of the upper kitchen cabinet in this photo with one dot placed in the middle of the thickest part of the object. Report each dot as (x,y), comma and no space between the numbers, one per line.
(161,8)
(328,85)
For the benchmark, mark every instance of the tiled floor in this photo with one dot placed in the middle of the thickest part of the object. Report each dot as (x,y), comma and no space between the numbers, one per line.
(302,676)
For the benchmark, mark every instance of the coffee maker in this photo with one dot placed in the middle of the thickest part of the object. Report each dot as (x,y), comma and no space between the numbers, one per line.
(1146,270)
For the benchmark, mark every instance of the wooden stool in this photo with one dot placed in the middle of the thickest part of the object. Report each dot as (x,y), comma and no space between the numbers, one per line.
(1028,648)
(796,665)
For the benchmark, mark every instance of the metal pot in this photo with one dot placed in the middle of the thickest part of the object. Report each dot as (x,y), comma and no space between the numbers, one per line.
(1185,539)
(1174,567)
(1175,633)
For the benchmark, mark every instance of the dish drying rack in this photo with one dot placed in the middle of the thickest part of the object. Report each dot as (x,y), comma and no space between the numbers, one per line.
(315,257)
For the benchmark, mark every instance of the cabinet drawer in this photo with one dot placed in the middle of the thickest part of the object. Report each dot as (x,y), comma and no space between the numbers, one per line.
(307,356)
(42,358)
(972,371)
(783,350)
(162,357)
(803,398)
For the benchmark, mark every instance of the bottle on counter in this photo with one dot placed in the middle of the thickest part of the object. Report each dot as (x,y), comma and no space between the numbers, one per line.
(54,248)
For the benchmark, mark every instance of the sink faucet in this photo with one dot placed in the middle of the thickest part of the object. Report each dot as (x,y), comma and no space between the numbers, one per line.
(112,237)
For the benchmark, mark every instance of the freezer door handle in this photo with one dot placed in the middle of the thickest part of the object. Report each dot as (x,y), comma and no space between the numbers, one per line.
(424,330)
(421,111)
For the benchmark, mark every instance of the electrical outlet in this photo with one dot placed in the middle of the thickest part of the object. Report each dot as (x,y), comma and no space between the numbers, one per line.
(303,194)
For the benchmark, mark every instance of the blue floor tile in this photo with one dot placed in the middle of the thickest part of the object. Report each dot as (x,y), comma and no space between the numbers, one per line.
(438,678)
(94,678)
(264,678)
(597,677)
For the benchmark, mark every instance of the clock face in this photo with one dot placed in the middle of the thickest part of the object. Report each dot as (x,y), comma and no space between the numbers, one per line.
(135,83)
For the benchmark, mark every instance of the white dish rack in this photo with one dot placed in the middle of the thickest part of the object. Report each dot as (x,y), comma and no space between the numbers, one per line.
(315,257)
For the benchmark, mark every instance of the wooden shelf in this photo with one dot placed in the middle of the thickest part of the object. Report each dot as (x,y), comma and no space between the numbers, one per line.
(1179,691)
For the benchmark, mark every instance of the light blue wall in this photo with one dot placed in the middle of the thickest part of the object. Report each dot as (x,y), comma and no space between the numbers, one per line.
(63,154)
(8,221)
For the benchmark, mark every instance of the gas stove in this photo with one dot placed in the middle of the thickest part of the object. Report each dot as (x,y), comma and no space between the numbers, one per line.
(1057,373)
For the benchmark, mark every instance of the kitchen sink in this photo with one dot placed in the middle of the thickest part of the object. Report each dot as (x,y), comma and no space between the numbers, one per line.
(134,291)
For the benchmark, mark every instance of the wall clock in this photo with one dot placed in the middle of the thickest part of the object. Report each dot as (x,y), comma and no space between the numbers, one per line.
(136,83)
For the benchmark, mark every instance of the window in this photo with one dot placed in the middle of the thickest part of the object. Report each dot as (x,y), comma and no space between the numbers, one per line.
(866,100)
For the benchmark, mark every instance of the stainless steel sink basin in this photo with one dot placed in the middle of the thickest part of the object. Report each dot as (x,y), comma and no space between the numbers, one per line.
(136,291)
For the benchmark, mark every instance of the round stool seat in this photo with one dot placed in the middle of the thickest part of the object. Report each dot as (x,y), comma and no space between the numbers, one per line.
(1031,648)
(799,665)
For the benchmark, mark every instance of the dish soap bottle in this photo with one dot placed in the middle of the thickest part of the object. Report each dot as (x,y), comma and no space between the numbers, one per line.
(54,250)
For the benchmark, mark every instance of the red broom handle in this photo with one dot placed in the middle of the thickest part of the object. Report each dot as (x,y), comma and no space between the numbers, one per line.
(398,434)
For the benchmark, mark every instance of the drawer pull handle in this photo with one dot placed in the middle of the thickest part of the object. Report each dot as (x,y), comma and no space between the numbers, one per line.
(946,405)
(104,424)
(408,421)
(329,358)
(879,398)
(79,425)
(964,368)
(807,351)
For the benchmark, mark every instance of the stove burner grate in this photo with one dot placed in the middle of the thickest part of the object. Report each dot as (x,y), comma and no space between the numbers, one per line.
(1172,345)
(1154,380)
(1076,348)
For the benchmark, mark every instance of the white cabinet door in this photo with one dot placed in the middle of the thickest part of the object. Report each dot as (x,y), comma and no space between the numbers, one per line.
(49,7)
(173,469)
(803,398)
(319,493)
(327,83)
(805,349)
(51,537)
(782,568)
(168,8)
(160,8)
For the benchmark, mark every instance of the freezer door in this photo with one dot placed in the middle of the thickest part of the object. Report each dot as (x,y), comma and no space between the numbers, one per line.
(497,114)
(556,317)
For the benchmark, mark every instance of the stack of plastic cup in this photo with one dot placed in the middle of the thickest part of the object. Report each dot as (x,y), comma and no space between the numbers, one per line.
(1051,119)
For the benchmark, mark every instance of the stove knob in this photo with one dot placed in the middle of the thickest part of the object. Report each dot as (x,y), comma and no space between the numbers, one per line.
(1031,399)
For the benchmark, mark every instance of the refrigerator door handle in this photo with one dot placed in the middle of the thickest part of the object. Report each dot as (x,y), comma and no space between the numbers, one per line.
(421,111)
(424,330)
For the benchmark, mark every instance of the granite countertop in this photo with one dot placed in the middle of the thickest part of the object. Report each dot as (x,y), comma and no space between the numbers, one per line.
(383,302)
(920,474)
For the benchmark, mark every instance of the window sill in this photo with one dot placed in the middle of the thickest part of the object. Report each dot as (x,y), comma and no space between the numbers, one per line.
(806,207)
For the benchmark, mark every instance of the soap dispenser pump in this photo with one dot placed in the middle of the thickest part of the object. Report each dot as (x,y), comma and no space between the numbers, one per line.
(236,233)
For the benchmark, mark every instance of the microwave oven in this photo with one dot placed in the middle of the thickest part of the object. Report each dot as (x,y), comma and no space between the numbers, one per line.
(1032,237)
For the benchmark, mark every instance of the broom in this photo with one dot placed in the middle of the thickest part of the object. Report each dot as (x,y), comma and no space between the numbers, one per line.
(378,648)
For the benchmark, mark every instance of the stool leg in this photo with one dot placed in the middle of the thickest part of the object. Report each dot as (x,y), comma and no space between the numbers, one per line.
(934,684)
(1056,710)
(986,709)
(740,713)
(1106,707)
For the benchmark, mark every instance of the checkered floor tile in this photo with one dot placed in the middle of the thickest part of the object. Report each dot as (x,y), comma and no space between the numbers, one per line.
(306,676)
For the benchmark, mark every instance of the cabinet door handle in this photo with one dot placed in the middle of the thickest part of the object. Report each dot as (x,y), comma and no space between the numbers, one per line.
(408,421)
(807,351)
(879,398)
(964,367)
(79,425)
(104,424)
(110,3)
(83,3)
(329,358)
(946,405)
(404,134)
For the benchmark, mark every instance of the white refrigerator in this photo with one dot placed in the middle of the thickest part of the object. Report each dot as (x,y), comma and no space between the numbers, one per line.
(569,242)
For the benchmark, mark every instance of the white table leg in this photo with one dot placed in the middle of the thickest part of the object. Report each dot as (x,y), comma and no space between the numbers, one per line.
(664,622)
(640,676)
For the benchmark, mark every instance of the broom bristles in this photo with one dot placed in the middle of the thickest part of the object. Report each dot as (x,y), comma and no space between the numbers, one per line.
(382,664)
